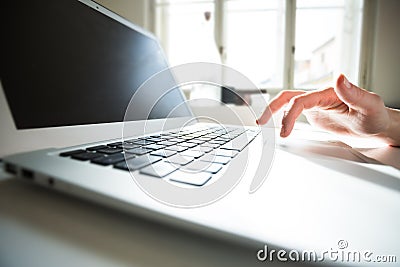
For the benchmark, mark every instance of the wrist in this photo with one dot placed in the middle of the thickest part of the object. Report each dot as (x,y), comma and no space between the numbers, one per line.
(392,134)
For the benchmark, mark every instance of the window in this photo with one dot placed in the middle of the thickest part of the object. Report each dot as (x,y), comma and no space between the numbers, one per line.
(301,44)
(327,41)
(186,30)
(254,40)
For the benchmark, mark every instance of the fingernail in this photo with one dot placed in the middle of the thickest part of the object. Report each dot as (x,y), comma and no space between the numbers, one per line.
(346,82)
(283,130)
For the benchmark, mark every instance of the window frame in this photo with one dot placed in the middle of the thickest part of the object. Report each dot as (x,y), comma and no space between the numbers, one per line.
(366,41)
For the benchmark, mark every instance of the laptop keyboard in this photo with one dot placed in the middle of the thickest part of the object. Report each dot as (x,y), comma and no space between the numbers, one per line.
(190,156)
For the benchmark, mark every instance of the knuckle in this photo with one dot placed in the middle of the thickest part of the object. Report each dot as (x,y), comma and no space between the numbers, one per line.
(376,98)
(284,93)
(297,100)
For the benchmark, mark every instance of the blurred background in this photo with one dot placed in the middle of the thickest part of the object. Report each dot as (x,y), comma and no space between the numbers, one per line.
(278,44)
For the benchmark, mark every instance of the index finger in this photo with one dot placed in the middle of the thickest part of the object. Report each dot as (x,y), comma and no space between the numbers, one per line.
(277,103)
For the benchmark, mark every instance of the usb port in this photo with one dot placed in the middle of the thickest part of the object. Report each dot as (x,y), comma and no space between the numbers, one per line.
(27,174)
(10,168)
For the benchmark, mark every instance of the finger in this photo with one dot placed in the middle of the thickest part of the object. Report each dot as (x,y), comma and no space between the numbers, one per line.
(321,99)
(276,104)
(354,96)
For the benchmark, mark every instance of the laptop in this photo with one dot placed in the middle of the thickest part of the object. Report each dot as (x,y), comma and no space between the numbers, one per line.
(77,77)
(90,107)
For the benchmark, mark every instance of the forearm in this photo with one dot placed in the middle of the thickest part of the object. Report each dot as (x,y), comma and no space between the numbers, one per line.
(392,134)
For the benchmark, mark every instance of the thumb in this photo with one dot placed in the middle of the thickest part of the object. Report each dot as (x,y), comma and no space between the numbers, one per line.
(354,96)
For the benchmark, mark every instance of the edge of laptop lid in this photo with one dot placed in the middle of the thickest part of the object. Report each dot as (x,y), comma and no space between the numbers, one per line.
(14,140)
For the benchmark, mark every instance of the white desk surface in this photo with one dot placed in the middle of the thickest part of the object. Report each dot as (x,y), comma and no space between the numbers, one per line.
(39,227)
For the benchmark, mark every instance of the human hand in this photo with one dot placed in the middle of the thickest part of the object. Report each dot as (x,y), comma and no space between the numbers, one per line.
(345,109)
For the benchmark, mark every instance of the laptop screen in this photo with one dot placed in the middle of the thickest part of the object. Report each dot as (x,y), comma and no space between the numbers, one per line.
(64,63)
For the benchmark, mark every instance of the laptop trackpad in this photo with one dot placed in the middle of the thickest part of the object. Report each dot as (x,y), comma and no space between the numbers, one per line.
(334,149)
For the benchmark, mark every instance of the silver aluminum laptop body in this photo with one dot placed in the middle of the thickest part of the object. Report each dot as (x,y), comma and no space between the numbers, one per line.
(293,209)
(44,166)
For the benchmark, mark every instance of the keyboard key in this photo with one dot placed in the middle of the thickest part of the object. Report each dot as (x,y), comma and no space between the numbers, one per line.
(238,143)
(110,160)
(159,169)
(95,148)
(180,160)
(211,145)
(165,134)
(154,146)
(204,138)
(163,153)
(166,143)
(73,152)
(121,166)
(197,179)
(86,156)
(187,137)
(177,140)
(192,153)
(187,144)
(198,142)
(225,152)
(110,150)
(225,137)
(214,135)
(153,139)
(142,142)
(115,144)
(222,140)
(204,166)
(127,146)
(216,159)
(131,140)
(137,163)
(176,148)
(218,142)
(166,137)
(139,151)
(204,149)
